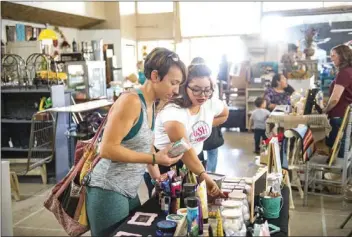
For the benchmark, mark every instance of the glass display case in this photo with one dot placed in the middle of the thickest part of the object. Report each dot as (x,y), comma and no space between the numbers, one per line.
(87,78)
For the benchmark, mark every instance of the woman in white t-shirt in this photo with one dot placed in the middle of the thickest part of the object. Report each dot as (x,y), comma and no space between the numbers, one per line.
(191,116)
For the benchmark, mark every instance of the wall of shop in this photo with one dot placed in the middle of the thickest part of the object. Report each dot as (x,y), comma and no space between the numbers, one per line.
(128,23)
(111,16)
(155,26)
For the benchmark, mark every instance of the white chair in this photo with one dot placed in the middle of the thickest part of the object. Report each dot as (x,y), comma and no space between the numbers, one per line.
(341,166)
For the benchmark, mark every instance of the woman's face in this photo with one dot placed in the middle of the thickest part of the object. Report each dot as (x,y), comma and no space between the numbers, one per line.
(283,82)
(169,86)
(335,58)
(199,90)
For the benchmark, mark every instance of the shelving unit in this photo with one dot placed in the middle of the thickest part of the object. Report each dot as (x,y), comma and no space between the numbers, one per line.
(251,95)
(17,107)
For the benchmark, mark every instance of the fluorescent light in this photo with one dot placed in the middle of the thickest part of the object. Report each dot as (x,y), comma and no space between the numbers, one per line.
(350,33)
(340,30)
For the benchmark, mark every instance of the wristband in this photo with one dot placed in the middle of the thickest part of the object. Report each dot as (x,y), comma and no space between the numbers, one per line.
(153,159)
(201,173)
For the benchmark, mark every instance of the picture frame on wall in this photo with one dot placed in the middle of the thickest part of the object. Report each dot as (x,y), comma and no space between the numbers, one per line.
(10,33)
(29,32)
(20,32)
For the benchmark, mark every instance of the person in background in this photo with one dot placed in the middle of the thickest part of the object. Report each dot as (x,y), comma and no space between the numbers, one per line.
(191,116)
(257,121)
(224,71)
(340,92)
(127,144)
(141,76)
(216,139)
(276,94)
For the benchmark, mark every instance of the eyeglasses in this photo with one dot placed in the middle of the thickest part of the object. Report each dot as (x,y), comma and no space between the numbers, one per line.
(199,92)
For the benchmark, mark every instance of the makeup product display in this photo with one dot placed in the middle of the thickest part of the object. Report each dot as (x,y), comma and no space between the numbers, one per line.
(192,216)
(166,228)
(174,217)
(186,209)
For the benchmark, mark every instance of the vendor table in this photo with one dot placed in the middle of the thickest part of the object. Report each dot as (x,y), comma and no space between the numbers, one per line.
(319,123)
(151,206)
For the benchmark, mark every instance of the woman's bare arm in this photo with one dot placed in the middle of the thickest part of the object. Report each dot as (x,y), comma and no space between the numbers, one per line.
(222,117)
(122,117)
(335,97)
(176,130)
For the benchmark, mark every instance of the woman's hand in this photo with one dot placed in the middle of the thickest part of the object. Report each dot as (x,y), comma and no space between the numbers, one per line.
(212,187)
(162,157)
(214,190)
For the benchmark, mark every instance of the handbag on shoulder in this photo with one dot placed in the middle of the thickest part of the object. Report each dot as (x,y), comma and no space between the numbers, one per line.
(67,199)
(215,140)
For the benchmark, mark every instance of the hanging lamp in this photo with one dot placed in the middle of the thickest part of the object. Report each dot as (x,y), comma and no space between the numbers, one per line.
(47,34)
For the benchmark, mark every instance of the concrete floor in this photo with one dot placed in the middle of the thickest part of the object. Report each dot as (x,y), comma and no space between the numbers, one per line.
(322,217)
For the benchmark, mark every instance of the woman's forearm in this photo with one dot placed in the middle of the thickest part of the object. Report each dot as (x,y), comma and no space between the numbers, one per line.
(191,160)
(331,104)
(154,171)
(219,120)
(272,106)
(122,154)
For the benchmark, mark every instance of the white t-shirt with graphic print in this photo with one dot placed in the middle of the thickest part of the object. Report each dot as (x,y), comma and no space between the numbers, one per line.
(198,127)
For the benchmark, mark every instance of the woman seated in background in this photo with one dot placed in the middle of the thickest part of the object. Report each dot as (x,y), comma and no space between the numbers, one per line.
(340,92)
(279,92)
(191,116)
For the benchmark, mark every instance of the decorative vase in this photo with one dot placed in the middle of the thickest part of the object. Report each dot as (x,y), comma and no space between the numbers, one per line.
(309,52)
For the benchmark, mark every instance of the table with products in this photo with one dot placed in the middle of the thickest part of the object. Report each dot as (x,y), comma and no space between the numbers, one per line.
(126,228)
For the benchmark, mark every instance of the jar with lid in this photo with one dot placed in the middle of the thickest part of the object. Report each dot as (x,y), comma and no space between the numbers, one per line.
(241,197)
(235,206)
(232,221)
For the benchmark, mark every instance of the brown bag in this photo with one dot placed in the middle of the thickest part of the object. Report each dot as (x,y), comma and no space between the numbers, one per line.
(67,199)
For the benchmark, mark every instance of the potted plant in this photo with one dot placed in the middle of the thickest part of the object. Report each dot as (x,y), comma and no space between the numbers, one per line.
(309,37)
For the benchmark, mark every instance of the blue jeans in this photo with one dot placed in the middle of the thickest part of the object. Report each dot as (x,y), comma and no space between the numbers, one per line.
(212,160)
(335,124)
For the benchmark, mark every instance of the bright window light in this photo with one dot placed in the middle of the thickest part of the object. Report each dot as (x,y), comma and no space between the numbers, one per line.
(219,18)
(154,7)
(273,28)
(127,8)
(282,6)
